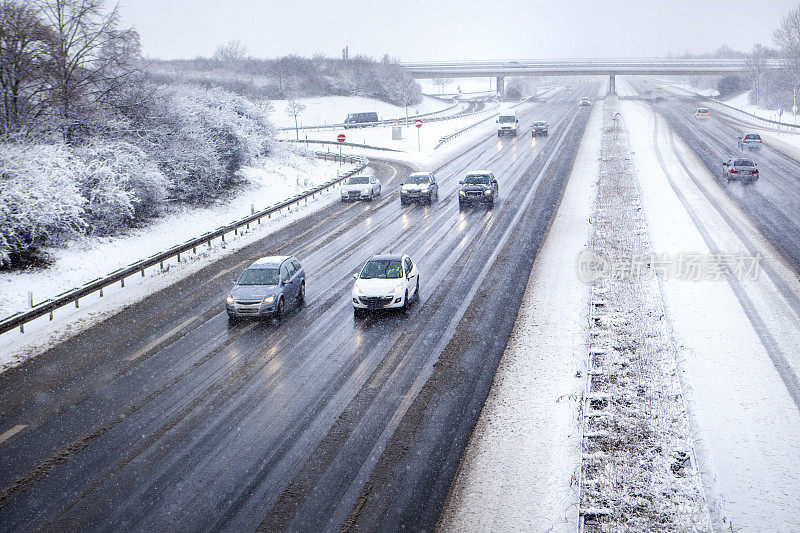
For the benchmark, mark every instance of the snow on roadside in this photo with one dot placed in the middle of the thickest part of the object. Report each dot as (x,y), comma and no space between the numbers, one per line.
(272,180)
(517,470)
(334,109)
(746,423)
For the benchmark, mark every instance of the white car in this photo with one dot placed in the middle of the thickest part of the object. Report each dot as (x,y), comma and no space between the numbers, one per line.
(507,124)
(388,281)
(362,187)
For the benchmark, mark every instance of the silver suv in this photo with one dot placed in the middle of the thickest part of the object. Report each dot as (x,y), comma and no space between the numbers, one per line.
(749,140)
(266,287)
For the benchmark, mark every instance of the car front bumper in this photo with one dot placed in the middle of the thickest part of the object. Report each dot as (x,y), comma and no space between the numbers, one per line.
(415,196)
(256,310)
(377,302)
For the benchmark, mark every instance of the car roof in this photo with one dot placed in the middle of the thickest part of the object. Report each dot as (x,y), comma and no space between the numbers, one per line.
(478,172)
(744,162)
(270,261)
(387,257)
(426,173)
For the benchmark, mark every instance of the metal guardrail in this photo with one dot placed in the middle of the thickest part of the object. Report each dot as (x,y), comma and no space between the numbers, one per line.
(383,122)
(337,143)
(18,320)
(427,117)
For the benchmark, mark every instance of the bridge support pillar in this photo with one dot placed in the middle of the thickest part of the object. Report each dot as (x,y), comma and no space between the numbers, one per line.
(501,85)
(612,84)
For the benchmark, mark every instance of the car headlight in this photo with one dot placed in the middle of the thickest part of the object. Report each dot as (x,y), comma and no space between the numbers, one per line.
(229,299)
(269,299)
(462,193)
(487,192)
(426,189)
(357,289)
(399,288)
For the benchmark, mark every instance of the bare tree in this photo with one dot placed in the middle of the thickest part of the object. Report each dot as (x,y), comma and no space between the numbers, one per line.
(90,57)
(294,108)
(755,70)
(787,38)
(230,52)
(24,45)
(442,83)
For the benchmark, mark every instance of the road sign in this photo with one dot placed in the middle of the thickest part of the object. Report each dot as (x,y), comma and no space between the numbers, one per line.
(418,123)
(340,137)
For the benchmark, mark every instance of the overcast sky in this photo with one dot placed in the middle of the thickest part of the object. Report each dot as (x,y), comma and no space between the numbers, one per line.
(417,30)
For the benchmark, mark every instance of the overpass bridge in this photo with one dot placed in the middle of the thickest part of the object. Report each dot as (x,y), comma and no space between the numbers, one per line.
(580,67)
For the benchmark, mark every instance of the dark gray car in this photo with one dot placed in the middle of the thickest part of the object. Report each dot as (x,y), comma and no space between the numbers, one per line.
(478,187)
(266,287)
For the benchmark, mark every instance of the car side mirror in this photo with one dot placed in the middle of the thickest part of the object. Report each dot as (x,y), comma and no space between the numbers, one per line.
(461,182)
(283,282)
(517,120)
(355,275)
(233,281)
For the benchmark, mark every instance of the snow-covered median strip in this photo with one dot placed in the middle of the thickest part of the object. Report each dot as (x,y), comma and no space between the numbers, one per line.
(273,180)
(638,471)
(517,473)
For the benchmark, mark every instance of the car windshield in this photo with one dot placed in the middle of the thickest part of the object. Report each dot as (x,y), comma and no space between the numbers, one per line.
(382,269)
(702,110)
(752,136)
(507,118)
(259,276)
(540,123)
(418,180)
(743,163)
(477,179)
(358,180)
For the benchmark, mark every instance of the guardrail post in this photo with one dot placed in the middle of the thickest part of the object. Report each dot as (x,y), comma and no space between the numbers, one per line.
(77,303)
(122,283)
(179,258)
(142,272)
(22,328)
(30,298)
(101,295)
(51,315)
(162,262)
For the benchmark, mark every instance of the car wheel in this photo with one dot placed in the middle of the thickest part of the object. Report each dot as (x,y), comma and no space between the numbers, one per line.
(232,320)
(279,312)
(301,294)
(403,201)
(460,206)
(404,309)
(416,291)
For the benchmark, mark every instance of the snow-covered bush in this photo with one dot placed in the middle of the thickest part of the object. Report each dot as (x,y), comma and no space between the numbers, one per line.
(40,202)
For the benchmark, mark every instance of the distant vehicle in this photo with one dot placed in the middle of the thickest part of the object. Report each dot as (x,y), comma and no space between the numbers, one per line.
(478,187)
(744,169)
(539,127)
(359,120)
(507,124)
(749,140)
(585,102)
(388,281)
(363,187)
(419,186)
(702,112)
(659,99)
(265,287)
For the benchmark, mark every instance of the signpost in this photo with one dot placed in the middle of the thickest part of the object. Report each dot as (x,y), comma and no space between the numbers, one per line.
(418,124)
(340,138)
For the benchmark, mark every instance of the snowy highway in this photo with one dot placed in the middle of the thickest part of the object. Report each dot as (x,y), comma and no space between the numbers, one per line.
(164,418)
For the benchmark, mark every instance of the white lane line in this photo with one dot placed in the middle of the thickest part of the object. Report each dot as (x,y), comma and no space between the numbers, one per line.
(159,340)
(11,432)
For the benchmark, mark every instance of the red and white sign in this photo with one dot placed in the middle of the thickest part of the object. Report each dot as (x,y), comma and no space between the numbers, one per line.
(340,137)
(418,123)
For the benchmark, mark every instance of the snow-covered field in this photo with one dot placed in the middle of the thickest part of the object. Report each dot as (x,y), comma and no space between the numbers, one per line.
(516,473)
(334,109)
(742,101)
(274,179)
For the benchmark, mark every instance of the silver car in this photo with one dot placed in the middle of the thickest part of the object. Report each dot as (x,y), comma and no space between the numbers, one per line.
(266,287)
(744,169)
(749,140)
(363,187)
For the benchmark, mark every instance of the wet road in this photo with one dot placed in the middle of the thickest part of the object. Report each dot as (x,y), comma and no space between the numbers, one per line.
(773,201)
(164,417)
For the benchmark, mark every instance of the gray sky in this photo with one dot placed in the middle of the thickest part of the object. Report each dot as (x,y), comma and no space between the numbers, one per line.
(416,30)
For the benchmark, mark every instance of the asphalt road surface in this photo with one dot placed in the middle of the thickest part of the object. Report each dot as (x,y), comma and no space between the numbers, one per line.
(164,417)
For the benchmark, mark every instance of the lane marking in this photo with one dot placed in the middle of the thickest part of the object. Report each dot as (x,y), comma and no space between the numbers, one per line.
(11,432)
(159,340)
